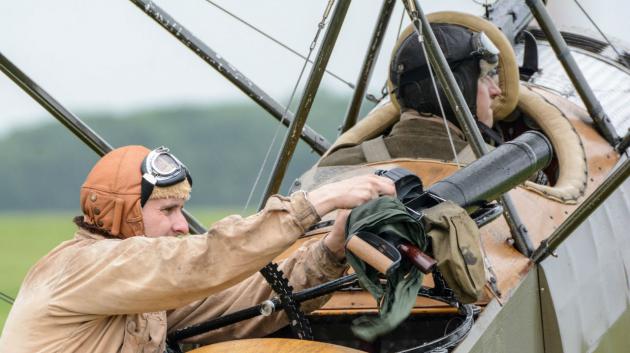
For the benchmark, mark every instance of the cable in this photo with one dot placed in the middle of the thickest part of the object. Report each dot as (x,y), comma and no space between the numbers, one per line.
(597,28)
(320,26)
(437,94)
(7,298)
(277,41)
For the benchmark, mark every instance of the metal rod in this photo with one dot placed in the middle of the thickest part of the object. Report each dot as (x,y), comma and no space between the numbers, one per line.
(306,102)
(625,143)
(310,136)
(65,117)
(511,16)
(446,78)
(291,50)
(563,53)
(565,230)
(464,117)
(368,64)
(254,311)
(69,120)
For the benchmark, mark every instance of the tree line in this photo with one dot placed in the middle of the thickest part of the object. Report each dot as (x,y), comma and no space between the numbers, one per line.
(44,166)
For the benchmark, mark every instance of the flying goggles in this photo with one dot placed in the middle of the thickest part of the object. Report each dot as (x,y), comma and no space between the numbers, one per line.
(488,53)
(161,168)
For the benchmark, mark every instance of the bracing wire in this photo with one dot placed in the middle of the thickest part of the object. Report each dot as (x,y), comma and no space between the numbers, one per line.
(320,26)
(6,298)
(437,94)
(402,17)
(597,28)
(276,41)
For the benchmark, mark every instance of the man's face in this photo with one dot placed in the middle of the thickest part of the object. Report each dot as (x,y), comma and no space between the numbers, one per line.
(164,217)
(487,89)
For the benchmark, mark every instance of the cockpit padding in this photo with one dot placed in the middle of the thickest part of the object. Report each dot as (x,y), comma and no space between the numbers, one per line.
(568,147)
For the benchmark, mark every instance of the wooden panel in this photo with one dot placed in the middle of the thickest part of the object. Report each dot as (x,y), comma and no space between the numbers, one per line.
(273,345)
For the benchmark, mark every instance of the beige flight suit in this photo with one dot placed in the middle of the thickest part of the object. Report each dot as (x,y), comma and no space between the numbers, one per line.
(99,295)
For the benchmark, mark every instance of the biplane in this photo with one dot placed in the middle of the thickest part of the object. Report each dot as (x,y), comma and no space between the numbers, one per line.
(558,257)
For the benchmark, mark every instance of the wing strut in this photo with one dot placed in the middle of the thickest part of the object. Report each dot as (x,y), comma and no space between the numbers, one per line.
(306,102)
(312,138)
(563,53)
(70,121)
(368,64)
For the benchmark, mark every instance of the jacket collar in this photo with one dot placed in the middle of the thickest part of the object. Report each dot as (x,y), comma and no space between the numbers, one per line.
(411,114)
(84,234)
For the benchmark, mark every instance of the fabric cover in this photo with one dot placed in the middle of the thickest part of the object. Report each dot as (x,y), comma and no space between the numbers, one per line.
(456,247)
(386,214)
(455,243)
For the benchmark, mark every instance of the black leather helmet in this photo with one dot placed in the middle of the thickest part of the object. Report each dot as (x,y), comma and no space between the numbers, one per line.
(463,49)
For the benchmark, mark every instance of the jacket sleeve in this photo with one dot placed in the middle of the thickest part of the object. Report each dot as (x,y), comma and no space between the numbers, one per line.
(142,274)
(310,265)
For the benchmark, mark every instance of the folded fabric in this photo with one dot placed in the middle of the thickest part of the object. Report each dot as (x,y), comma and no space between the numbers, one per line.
(397,297)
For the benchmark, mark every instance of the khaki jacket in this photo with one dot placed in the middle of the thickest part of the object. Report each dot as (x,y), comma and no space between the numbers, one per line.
(100,295)
(413,136)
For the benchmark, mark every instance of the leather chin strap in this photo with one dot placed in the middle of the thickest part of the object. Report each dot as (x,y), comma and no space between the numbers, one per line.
(489,133)
(146,188)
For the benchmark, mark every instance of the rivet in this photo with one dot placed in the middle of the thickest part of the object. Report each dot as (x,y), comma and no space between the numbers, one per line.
(93,197)
(99,223)
(97,211)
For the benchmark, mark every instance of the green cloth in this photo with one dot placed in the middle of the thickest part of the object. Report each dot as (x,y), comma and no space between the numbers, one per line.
(455,243)
(457,248)
(398,296)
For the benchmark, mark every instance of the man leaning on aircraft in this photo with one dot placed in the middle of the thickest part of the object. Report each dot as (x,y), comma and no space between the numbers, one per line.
(131,273)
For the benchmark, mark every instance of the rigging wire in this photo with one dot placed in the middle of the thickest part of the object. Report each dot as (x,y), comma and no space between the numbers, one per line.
(384,89)
(276,41)
(597,28)
(6,298)
(320,26)
(437,94)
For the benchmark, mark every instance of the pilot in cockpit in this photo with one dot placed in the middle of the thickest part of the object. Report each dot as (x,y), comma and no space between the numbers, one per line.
(428,127)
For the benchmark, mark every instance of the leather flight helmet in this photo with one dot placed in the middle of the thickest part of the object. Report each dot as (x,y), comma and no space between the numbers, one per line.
(111,193)
(409,70)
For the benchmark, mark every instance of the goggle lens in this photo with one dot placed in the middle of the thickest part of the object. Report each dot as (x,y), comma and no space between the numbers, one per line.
(161,168)
(164,164)
(489,54)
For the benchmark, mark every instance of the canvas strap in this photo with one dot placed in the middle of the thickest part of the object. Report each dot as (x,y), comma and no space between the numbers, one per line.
(375,150)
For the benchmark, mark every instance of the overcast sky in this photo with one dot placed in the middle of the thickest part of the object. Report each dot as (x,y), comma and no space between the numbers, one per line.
(109,56)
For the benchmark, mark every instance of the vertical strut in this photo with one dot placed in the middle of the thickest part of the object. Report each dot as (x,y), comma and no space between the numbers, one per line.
(592,202)
(69,120)
(464,117)
(368,64)
(563,53)
(312,138)
(306,102)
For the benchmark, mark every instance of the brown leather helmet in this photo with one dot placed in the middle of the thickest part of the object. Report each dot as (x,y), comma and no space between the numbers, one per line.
(110,195)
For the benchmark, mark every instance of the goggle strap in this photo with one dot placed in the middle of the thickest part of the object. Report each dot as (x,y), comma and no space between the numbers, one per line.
(146,188)
(188,175)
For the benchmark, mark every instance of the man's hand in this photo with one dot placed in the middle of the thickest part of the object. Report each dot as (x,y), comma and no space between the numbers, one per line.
(335,241)
(350,193)
(345,195)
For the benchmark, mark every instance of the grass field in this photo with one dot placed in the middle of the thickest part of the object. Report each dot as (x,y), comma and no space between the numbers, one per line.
(25,237)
